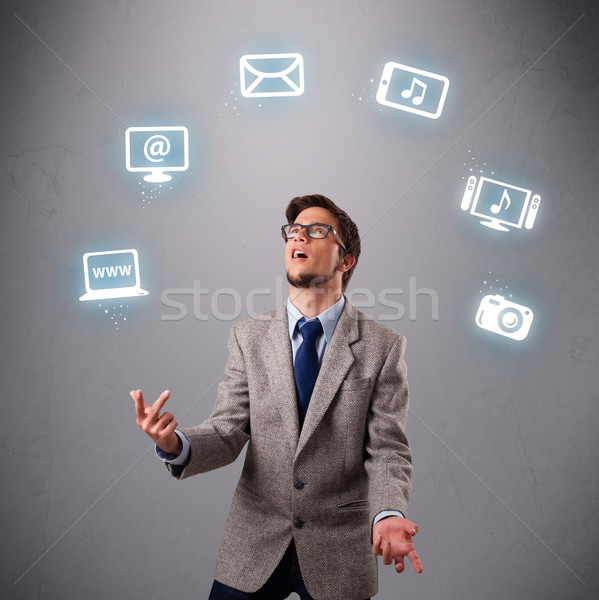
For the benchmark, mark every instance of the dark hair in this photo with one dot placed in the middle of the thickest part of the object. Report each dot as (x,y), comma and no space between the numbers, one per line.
(348,230)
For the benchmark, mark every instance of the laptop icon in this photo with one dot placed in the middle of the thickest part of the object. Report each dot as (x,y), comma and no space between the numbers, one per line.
(111,274)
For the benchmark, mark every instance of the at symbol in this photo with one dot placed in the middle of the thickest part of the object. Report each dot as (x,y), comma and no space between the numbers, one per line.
(156,148)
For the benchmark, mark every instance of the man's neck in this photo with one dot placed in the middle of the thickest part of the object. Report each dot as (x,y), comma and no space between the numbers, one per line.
(313,301)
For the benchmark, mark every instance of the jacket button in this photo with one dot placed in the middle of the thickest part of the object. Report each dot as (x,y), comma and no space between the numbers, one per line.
(297,522)
(299,484)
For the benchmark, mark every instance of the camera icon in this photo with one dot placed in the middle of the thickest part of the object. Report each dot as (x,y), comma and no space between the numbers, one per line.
(506,318)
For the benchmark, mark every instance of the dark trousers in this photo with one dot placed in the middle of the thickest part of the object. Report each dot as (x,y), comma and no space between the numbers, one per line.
(286,579)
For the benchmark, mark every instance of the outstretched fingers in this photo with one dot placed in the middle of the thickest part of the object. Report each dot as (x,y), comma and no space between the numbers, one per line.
(393,541)
(149,417)
(415,560)
(159,404)
(411,529)
(141,408)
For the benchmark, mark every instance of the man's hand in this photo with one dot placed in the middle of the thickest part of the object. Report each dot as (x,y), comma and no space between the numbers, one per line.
(393,540)
(161,428)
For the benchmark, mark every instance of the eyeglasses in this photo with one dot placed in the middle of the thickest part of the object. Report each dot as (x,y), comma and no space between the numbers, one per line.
(318,231)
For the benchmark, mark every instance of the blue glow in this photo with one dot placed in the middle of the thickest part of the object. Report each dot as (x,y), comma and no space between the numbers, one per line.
(504,317)
(271,75)
(412,90)
(500,204)
(111,274)
(157,150)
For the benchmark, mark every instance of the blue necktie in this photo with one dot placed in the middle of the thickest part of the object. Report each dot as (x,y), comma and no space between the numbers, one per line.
(306,365)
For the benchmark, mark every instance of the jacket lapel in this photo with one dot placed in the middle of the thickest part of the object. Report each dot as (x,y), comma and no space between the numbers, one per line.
(280,369)
(337,361)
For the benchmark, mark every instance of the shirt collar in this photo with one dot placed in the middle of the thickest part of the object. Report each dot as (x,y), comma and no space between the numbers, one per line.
(328,318)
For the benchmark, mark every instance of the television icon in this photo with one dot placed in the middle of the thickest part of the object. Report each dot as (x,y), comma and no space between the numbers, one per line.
(157,150)
(500,205)
(412,90)
(111,274)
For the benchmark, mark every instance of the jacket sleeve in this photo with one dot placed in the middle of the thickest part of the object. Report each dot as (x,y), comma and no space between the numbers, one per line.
(219,439)
(388,457)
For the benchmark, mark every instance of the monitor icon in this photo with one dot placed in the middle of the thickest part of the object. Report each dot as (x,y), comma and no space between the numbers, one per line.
(111,274)
(412,90)
(157,150)
(500,205)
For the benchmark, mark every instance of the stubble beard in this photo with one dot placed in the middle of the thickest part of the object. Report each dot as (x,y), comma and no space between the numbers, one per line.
(310,280)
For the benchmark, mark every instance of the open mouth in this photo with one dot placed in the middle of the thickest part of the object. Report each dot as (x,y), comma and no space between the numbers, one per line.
(298,254)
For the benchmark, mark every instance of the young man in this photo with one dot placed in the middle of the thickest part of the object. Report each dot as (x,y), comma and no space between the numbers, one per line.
(319,392)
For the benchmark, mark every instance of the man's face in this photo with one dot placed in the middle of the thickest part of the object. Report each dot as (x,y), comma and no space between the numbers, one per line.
(312,261)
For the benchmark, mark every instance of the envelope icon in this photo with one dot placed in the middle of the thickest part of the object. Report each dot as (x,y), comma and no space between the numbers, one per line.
(271,75)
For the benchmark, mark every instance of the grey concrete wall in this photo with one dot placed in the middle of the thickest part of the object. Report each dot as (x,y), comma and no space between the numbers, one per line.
(504,432)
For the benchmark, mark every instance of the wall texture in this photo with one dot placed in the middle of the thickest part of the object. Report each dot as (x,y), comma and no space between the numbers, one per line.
(504,431)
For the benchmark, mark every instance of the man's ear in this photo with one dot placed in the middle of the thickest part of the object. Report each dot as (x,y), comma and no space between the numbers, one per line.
(346,263)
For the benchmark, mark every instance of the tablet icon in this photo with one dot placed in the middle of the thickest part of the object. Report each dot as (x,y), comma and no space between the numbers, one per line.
(271,75)
(412,90)
(500,205)
(501,316)
(111,274)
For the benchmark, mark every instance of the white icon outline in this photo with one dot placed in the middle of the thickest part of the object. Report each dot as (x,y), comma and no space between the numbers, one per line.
(248,88)
(149,153)
(472,196)
(110,293)
(159,172)
(417,81)
(504,317)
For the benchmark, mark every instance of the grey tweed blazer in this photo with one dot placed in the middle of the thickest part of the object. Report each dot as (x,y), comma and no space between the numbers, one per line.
(323,486)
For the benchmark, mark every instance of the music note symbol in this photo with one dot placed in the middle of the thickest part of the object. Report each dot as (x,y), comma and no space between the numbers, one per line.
(495,208)
(417,100)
